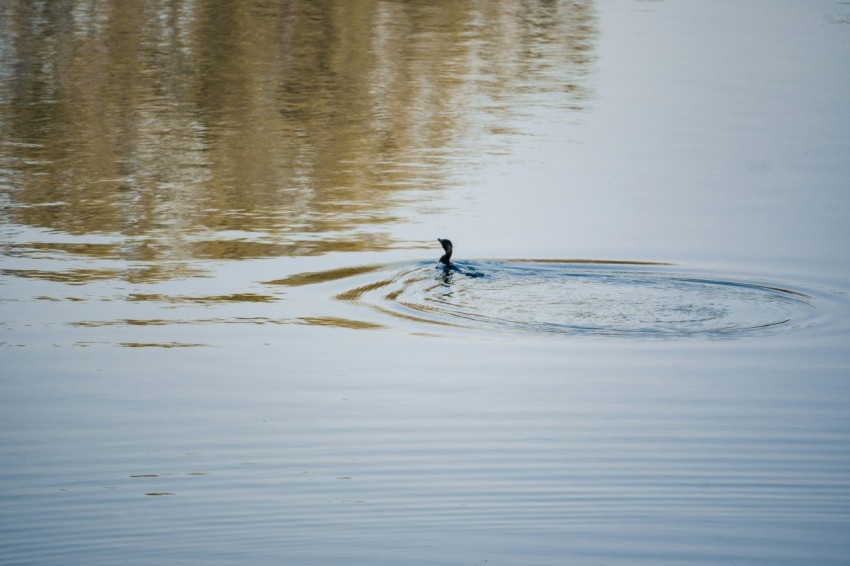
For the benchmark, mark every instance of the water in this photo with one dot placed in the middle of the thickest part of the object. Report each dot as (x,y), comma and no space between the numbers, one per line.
(225,337)
(564,298)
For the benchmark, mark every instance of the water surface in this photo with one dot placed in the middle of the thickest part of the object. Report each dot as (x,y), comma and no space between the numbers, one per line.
(225,337)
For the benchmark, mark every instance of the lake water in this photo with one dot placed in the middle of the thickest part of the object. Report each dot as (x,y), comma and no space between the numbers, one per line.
(225,336)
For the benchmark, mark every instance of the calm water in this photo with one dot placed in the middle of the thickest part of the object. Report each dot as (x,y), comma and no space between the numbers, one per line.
(225,337)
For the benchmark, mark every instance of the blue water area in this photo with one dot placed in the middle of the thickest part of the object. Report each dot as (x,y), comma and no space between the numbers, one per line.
(225,337)
(586,298)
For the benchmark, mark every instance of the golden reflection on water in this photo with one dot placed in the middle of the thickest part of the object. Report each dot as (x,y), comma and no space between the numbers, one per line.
(146,274)
(233,130)
(209,299)
(314,277)
(89,250)
(333,321)
(180,321)
(339,322)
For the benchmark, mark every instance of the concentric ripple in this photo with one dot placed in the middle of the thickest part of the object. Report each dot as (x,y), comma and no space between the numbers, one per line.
(592,298)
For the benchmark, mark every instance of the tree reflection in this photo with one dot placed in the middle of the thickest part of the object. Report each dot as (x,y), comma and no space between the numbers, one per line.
(304,126)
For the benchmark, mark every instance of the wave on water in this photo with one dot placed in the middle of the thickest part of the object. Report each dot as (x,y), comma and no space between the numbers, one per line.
(574,297)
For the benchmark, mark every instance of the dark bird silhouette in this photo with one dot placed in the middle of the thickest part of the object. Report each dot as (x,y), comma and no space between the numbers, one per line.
(447,257)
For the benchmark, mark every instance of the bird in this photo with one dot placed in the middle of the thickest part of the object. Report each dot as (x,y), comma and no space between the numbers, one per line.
(447,257)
